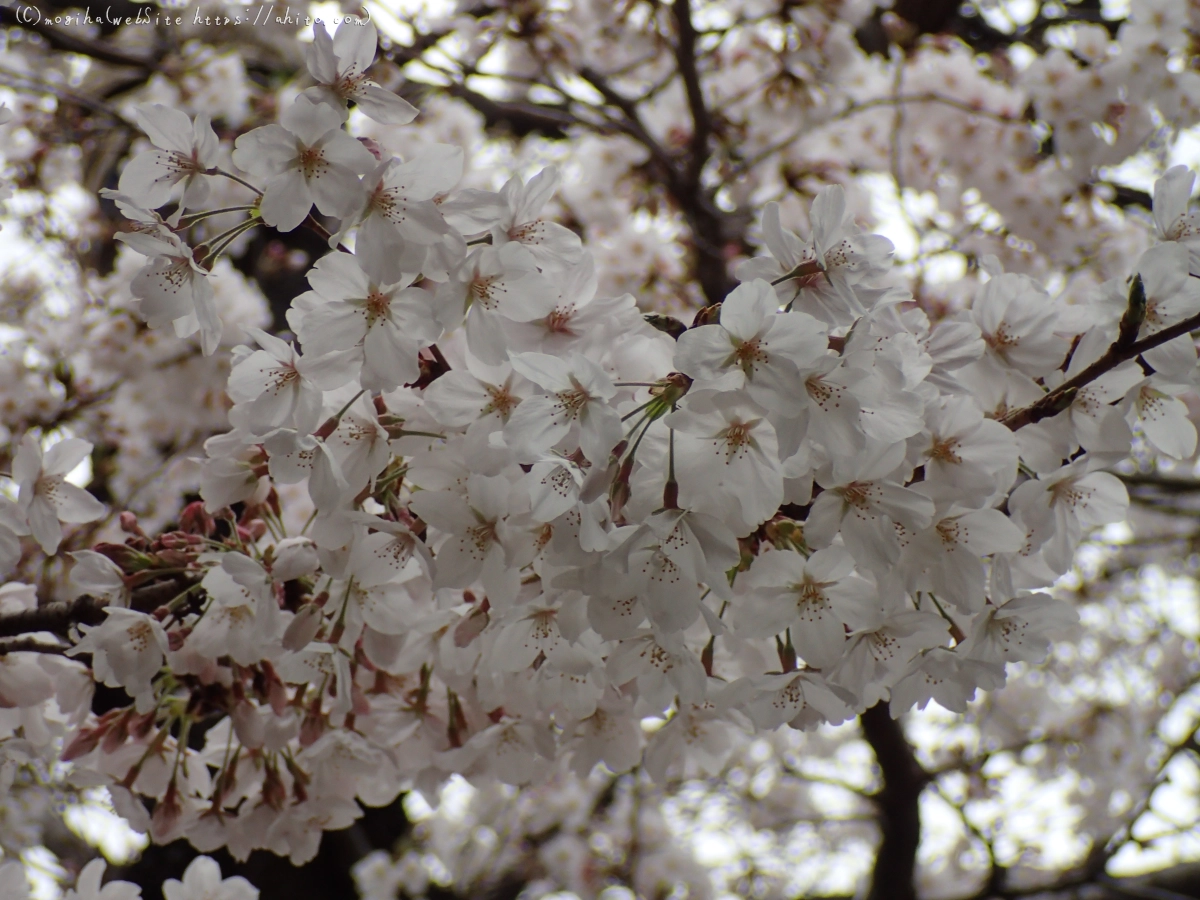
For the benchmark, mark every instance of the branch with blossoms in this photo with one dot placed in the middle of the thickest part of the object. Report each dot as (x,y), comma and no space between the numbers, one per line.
(478,519)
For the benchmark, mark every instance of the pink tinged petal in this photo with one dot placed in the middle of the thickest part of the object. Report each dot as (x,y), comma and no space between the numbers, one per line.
(600,430)
(338,276)
(342,151)
(534,425)
(1174,359)
(205,141)
(828,213)
(1165,421)
(309,121)
(820,637)
(286,201)
(167,128)
(165,288)
(548,372)
(27,465)
(74,504)
(150,177)
(389,358)
(320,59)
(265,151)
(383,106)
(705,353)
(457,399)
(43,524)
(535,194)
(1171,195)
(745,312)
(958,578)
(485,337)
(335,326)
(64,456)
(354,47)
(783,245)
(206,313)
(824,519)
(989,531)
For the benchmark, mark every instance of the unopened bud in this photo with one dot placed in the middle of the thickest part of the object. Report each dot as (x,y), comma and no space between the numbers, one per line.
(129,524)
(248,724)
(303,627)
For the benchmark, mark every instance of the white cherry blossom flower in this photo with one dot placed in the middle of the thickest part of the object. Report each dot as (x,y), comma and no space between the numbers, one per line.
(754,348)
(87,886)
(574,408)
(339,66)
(478,543)
(493,286)
(398,219)
(276,387)
(1154,404)
(128,649)
(380,327)
(1172,220)
(727,461)
(45,497)
(880,649)
(960,449)
(949,677)
(307,159)
(946,558)
(174,288)
(1020,629)
(864,503)
(1067,502)
(98,576)
(1017,319)
(185,153)
(801,699)
(663,668)
(202,881)
(550,244)
(810,596)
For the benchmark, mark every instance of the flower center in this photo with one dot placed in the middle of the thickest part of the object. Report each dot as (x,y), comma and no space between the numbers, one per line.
(946,450)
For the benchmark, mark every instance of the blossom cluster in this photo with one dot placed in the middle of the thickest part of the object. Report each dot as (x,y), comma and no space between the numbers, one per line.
(477,518)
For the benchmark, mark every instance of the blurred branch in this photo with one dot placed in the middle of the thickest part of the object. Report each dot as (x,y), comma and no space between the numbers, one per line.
(29,645)
(685,58)
(62,40)
(898,802)
(53,617)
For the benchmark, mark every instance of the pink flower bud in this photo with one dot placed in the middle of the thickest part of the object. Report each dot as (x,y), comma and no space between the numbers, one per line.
(248,725)
(303,627)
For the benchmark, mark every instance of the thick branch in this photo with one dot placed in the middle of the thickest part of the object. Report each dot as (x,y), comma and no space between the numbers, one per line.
(30,645)
(899,812)
(1056,400)
(685,57)
(53,617)
(703,217)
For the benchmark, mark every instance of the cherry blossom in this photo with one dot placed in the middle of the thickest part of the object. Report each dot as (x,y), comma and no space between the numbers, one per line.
(307,159)
(186,152)
(45,497)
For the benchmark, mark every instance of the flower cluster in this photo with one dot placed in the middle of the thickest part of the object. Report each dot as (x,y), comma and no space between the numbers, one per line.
(477,519)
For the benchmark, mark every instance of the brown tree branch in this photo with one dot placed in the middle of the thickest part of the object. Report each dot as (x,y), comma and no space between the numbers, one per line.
(1055,401)
(30,645)
(899,812)
(53,617)
(685,58)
